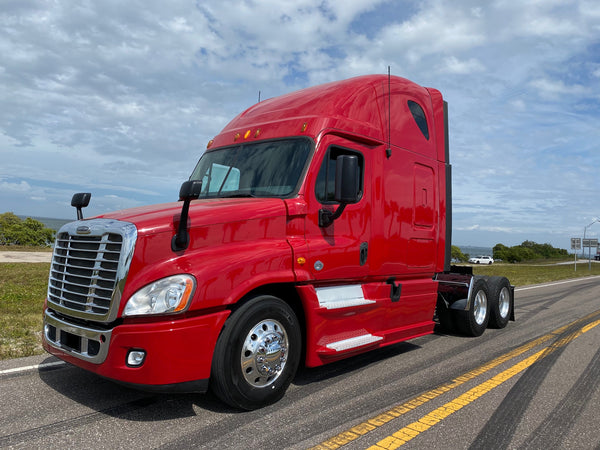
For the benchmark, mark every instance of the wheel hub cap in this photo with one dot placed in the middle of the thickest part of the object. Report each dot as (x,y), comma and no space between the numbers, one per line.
(264,353)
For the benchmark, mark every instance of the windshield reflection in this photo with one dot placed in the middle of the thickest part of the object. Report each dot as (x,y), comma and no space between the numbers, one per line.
(260,169)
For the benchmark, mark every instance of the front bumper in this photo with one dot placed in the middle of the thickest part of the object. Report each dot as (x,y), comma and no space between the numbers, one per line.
(178,352)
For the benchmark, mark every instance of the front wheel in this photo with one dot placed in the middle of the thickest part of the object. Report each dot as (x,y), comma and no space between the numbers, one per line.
(257,354)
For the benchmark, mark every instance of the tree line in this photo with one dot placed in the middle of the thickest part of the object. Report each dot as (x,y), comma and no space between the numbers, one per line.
(28,232)
(527,251)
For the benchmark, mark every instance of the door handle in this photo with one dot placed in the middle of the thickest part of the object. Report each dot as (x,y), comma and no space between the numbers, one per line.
(364,253)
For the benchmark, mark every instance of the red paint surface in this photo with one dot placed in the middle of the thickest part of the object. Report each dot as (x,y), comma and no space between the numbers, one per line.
(242,245)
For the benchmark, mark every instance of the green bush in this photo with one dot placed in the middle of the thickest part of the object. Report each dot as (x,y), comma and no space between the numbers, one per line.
(528,251)
(458,254)
(28,232)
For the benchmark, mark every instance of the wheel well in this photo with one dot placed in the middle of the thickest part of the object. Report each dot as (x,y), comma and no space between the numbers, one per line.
(286,292)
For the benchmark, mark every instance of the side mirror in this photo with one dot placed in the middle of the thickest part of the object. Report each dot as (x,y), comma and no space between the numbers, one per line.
(80,201)
(347,188)
(190,190)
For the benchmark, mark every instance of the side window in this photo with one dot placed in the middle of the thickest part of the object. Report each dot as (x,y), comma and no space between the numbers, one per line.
(325,185)
(419,116)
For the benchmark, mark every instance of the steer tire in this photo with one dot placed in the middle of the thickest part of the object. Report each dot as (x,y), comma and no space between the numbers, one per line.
(257,354)
(500,301)
(474,321)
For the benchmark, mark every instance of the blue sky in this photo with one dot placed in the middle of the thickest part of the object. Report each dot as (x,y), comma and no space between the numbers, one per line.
(119,98)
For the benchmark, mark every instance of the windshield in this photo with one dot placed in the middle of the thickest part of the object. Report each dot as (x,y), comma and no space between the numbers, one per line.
(261,169)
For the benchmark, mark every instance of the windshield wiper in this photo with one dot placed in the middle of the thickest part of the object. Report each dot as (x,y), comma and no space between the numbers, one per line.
(236,195)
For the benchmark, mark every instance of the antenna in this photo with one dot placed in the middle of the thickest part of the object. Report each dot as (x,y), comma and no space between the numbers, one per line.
(388,150)
(258,96)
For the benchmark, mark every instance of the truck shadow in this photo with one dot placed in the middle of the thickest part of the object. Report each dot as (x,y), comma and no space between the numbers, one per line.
(306,376)
(107,398)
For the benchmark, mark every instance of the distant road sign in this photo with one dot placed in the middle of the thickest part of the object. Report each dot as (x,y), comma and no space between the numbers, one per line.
(575,243)
(590,243)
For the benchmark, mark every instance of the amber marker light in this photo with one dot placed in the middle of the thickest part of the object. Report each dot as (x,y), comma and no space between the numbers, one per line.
(247,135)
(210,143)
(304,125)
(301,261)
(187,295)
(257,133)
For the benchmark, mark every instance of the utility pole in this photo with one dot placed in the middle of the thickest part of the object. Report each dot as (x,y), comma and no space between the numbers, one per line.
(589,246)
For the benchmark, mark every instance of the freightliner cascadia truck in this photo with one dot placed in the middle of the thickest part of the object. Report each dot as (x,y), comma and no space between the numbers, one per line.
(315,226)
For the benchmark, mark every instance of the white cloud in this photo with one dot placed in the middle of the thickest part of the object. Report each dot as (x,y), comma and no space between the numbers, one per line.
(461,67)
(121,97)
(555,88)
(15,187)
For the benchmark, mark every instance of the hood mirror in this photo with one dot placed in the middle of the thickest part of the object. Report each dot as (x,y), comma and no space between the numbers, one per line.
(190,190)
(80,201)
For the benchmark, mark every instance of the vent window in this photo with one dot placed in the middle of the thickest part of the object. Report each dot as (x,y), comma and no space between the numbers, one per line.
(419,116)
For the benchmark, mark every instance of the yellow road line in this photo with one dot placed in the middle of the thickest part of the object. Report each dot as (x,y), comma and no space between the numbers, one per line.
(363,428)
(412,430)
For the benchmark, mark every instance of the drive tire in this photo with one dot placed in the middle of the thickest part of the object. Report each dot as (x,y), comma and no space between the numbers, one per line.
(474,321)
(257,354)
(501,301)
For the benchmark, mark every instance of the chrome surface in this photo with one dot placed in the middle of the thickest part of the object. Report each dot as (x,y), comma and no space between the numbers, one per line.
(82,342)
(480,307)
(264,353)
(88,272)
(504,302)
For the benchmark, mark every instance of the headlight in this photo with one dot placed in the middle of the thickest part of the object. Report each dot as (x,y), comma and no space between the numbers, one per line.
(169,295)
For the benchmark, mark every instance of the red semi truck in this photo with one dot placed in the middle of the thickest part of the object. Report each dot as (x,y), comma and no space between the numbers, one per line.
(316,226)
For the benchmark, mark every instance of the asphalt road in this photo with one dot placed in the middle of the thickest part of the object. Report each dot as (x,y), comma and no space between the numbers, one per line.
(534,384)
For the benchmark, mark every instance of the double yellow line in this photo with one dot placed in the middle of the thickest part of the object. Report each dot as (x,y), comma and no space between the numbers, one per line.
(412,430)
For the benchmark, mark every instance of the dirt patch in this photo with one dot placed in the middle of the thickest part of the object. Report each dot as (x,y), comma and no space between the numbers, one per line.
(25,257)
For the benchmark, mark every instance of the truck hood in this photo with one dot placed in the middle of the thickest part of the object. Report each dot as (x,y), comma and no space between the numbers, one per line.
(165,217)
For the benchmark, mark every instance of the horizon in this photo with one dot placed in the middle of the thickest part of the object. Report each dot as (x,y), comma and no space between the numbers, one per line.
(461,246)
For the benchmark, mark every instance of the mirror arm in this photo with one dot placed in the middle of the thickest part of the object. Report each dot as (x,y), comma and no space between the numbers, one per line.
(326,217)
(182,239)
(190,190)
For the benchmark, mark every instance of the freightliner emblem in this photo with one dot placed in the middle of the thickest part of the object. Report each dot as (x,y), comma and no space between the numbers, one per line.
(83,230)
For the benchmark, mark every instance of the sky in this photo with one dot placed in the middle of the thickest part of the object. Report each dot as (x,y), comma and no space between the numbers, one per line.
(120,98)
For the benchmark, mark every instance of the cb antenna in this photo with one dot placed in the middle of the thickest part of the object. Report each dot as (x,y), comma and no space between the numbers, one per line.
(388,150)
(258,96)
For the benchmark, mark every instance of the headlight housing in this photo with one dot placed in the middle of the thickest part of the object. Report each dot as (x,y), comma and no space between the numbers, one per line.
(168,295)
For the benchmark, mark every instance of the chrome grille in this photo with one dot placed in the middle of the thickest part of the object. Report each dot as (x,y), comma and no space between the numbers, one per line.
(87,270)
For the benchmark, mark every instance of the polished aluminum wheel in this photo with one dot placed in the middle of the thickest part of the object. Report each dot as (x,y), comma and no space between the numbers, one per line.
(504,302)
(480,307)
(264,353)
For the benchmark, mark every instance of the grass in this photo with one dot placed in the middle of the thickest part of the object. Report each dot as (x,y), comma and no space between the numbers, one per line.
(527,274)
(22,293)
(23,290)
(24,248)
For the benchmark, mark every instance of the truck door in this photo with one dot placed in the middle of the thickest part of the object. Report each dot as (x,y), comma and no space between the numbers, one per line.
(339,251)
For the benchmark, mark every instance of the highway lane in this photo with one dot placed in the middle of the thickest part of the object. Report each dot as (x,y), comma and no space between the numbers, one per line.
(534,384)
